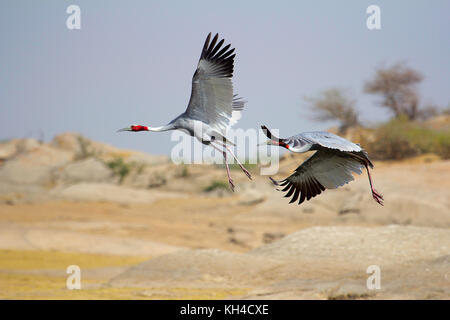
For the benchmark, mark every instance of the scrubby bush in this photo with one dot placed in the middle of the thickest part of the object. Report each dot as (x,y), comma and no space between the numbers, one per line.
(86,150)
(400,138)
(216,185)
(182,172)
(119,168)
(249,166)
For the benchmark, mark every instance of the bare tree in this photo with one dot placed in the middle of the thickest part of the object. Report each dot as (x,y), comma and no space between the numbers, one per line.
(334,105)
(397,86)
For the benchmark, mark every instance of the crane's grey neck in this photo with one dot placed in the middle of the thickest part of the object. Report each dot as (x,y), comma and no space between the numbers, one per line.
(162,128)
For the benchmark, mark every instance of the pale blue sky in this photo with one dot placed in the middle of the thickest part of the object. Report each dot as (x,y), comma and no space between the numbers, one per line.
(132,61)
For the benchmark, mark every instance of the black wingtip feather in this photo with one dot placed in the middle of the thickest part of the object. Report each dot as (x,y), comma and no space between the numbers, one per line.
(221,52)
(307,190)
(290,192)
(296,194)
(205,45)
(223,58)
(302,199)
(216,48)
(212,45)
(303,191)
(283,183)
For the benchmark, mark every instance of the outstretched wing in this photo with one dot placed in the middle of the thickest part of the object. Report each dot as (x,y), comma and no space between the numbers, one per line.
(327,140)
(212,100)
(323,170)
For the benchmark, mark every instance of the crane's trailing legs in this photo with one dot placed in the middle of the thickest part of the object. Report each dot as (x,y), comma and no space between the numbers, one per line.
(237,160)
(378,197)
(224,153)
(230,181)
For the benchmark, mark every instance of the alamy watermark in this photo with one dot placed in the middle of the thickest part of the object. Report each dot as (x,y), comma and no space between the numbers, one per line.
(73,21)
(374,280)
(373,21)
(74,280)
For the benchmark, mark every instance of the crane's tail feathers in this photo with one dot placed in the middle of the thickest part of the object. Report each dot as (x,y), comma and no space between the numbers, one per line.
(269,134)
(237,108)
(238,103)
(236,115)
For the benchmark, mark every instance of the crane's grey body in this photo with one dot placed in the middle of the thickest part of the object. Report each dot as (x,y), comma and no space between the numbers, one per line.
(207,128)
(331,166)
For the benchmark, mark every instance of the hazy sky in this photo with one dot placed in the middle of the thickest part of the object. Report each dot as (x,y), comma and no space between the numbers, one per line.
(132,61)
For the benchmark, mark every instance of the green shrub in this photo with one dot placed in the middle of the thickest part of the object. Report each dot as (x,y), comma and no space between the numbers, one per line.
(216,185)
(119,168)
(235,166)
(183,172)
(247,165)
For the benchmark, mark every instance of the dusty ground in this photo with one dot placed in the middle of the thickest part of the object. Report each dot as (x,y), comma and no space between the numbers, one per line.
(172,240)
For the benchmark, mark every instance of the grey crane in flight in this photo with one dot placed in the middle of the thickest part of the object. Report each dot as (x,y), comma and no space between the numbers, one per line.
(213,108)
(330,167)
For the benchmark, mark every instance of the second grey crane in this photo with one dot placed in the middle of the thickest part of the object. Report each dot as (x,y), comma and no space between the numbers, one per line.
(330,167)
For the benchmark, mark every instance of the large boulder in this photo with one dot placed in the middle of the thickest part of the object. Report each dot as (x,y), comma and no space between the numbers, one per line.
(105,192)
(35,166)
(360,247)
(82,147)
(87,170)
(67,141)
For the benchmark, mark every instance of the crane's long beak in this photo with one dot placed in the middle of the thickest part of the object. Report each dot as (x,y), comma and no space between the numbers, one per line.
(125,129)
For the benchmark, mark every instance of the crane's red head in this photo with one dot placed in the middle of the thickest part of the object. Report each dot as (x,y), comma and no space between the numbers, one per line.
(284,145)
(134,128)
